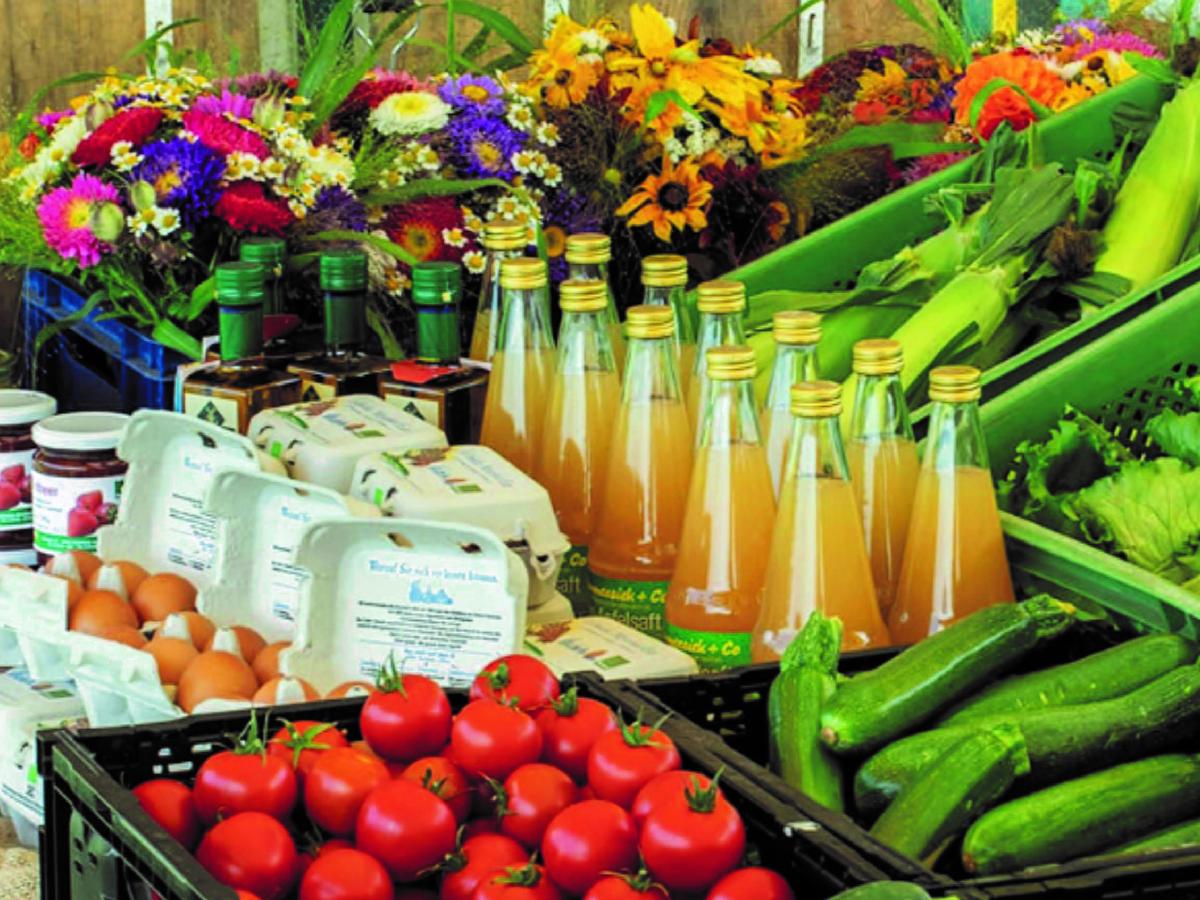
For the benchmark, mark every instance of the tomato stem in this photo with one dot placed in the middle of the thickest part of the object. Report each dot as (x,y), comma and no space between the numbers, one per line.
(703,800)
(250,742)
(499,677)
(389,680)
(525,876)
(639,735)
(499,799)
(567,705)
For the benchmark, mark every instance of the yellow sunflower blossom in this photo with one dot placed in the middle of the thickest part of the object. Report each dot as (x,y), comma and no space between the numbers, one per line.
(785,142)
(557,69)
(874,85)
(674,200)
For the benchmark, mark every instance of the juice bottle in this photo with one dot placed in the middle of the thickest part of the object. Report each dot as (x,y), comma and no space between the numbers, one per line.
(954,560)
(883,460)
(818,559)
(664,279)
(584,396)
(712,602)
(796,334)
(636,540)
(721,304)
(502,240)
(588,256)
(521,367)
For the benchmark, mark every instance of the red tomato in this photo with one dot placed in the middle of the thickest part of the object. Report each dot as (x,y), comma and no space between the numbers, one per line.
(444,778)
(622,762)
(626,887)
(337,786)
(526,883)
(250,851)
(570,726)
(479,857)
(405,827)
(169,803)
(689,846)
(494,740)
(530,798)
(346,875)
(586,841)
(480,826)
(334,844)
(751,884)
(528,681)
(299,744)
(234,781)
(407,718)
(246,895)
(667,788)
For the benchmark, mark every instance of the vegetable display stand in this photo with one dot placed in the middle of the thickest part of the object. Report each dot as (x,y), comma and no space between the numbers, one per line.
(96,363)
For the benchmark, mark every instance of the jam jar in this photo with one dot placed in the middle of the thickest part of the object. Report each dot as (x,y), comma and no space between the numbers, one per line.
(77,480)
(19,411)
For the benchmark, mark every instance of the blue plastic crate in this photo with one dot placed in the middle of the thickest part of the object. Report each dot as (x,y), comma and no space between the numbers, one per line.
(96,364)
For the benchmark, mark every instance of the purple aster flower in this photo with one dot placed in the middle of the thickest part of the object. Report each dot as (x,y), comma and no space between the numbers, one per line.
(484,146)
(474,94)
(1077,30)
(240,107)
(337,208)
(566,213)
(255,84)
(185,176)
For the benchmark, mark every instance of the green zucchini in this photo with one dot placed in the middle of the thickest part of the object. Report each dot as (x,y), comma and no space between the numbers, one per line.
(905,692)
(1084,816)
(1062,742)
(1184,834)
(806,681)
(884,890)
(1101,676)
(949,795)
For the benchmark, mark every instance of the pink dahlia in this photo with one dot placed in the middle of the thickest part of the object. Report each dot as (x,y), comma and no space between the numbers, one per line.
(222,136)
(66,215)
(235,104)
(245,207)
(133,125)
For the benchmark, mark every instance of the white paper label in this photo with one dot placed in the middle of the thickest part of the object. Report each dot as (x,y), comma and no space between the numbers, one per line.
(453,471)
(68,511)
(191,532)
(348,420)
(284,579)
(16,470)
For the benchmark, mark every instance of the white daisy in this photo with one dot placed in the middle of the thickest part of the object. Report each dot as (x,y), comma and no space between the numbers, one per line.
(547,133)
(552,174)
(427,159)
(239,165)
(520,117)
(474,262)
(454,237)
(524,161)
(507,208)
(763,65)
(166,220)
(273,168)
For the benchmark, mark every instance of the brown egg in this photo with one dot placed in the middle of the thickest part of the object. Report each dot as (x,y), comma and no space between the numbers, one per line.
(173,656)
(129,573)
(266,663)
(96,610)
(351,689)
(199,627)
(160,595)
(123,634)
(288,684)
(81,564)
(249,640)
(215,674)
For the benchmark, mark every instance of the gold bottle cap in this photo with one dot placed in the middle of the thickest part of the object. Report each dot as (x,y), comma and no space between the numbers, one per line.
(501,235)
(816,399)
(523,272)
(589,248)
(582,296)
(796,326)
(664,270)
(650,322)
(954,384)
(721,297)
(730,362)
(878,356)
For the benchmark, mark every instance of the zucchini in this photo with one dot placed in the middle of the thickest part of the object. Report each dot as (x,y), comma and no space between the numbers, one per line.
(1062,742)
(949,795)
(1076,818)
(1101,676)
(806,681)
(884,890)
(1184,834)
(906,691)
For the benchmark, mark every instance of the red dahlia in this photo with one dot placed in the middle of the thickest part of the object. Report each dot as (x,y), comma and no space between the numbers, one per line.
(133,125)
(246,208)
(222,136)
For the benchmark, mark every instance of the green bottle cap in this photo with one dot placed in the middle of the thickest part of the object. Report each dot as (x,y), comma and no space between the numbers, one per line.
(344,270)
(435,292)
(240,284)
(432,281)
(268,252)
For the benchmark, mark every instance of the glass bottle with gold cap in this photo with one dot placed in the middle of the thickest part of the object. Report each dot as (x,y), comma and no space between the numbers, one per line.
(522,365)
(818,559)
(883,460)
(796,334)
(664,283)
(636,540)
(588,255)
(721,304)
(583,401)
(954,560)
(712,603)
(502,240)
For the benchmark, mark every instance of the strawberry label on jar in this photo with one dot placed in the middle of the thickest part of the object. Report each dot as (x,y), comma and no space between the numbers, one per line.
(15,490)
(67,512)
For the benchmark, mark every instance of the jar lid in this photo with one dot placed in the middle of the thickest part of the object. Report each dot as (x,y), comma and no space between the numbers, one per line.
(796,326)
(80,431)
(501,235)
(954,384)
(589,248)
(664,270)
(523,273)
(816,399)
(650,322)
(240,284)
(722,296)
(583,296)
(25,407)
(343,270)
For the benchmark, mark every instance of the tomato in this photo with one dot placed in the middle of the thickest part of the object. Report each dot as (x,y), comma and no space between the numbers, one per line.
(346,875)
(626,887)
(407,718)
(405,827)
(587,841)
(235,781)
(480,826)
(250,851)
(751,884)
(300,744)
(570,726)
(528,681)
(246,895)
(169,803)
(689,846)
(337,786)
(667,788)
(494,740)
(530,798)
(526,883)
(622,762)
(479,857)
(444,778)
(334,844)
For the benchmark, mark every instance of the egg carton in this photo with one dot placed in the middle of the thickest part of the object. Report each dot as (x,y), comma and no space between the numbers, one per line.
(33,623)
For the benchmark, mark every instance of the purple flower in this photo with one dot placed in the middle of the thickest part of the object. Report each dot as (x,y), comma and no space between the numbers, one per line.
(237,105)
(337,208)
(185,176)
(255,84)
(1121,42)
(484,146)
(49,119)
(474,94)
(1079,30)
(924,166)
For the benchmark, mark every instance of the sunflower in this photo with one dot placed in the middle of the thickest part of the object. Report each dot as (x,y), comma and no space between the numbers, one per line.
(673,200)
(874,85)
(560,69)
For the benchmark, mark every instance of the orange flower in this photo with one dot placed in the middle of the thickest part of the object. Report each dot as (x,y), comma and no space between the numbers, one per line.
(672,201)
(1027,72)
(558,68)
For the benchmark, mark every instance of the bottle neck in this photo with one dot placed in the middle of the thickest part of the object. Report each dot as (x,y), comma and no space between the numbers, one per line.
(524,324)
(650,371)
(345,322)
(793,363)
(584,344)
(587,271)
(437,329)
(729,417)
(673,297)
(240,336)
(879,409)
(717,329)
(816,449)
(955,437)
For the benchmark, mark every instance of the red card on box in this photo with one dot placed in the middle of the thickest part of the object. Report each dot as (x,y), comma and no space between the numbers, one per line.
(412,372)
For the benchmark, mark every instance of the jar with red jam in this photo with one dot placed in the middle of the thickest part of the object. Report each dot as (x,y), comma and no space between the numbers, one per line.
(19,411)
(77,479)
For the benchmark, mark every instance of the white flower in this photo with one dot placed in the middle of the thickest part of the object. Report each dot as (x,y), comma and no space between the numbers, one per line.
(524,161)
(675,149)
(552,174)
(507,207)
(239,165)
(592,41)
(139,223)
(540,161)
(427,159)
(299,210)
(124,157)
(273,168)
(454,237)
(763,65)
(411,112)
(547,133)
(520,117)
(166,220)
(474,262)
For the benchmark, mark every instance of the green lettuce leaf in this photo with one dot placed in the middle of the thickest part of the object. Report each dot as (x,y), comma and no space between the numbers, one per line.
(1177,435)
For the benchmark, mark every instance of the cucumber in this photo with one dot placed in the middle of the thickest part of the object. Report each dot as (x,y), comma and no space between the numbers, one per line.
(1062,742)
(1084,816)
(805,683)
(1184,834)
(1101,676)
(949,795)
(905,692)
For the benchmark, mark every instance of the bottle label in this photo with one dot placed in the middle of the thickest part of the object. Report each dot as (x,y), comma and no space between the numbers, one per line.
(311,391)
(15,494)
(573,581)
(220,411)
(714,651)
(429,410)
(638,604)
(68,511)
